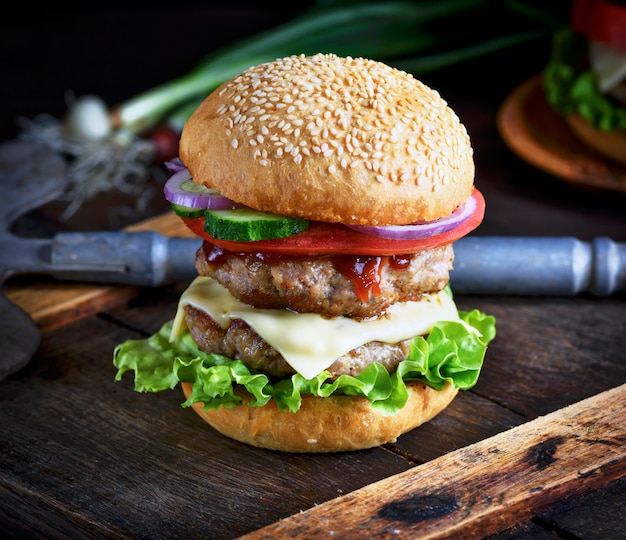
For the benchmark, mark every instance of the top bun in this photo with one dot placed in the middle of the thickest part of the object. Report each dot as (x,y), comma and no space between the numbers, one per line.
(332,139)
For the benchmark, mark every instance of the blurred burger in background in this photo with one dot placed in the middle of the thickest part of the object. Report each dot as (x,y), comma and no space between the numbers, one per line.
(585,79)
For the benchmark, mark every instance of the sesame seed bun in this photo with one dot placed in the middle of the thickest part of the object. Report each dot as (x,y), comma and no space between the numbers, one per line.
(333,424)
(331,139)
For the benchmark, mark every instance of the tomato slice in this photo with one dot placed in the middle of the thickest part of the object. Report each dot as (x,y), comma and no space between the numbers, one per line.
(332,238)
(600,21)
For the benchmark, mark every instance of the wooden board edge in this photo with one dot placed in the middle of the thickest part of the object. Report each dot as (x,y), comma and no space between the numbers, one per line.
(485,487)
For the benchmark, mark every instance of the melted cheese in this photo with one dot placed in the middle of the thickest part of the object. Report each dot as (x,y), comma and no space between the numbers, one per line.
(309,342)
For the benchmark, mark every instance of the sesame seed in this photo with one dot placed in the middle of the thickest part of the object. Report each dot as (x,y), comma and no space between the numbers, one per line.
(365,113)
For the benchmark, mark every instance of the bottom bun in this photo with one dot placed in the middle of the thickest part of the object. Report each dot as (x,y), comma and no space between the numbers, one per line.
(333,424)
(611,144)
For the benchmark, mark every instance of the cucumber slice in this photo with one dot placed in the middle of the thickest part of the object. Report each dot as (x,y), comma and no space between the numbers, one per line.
(249,225)
(186,211)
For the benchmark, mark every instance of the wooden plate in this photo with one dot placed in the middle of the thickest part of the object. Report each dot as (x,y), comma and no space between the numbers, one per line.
(538,135)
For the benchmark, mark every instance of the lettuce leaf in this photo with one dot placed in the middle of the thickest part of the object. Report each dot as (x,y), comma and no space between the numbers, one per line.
(450,353)
(570,87)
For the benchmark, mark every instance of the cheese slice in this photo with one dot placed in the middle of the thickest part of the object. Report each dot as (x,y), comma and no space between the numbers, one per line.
(608,63)
(309,342)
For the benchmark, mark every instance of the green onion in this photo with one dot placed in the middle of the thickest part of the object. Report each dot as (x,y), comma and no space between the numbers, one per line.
(416,36)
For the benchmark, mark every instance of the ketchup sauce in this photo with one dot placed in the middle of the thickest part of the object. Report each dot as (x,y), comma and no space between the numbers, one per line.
(363,272)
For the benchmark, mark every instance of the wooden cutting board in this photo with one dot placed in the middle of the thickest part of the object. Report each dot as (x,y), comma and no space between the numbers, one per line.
(480,489)
(53,304)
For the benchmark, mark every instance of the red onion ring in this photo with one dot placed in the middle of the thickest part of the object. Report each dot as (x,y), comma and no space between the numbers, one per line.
(423,229)
(174,165)
(180,189)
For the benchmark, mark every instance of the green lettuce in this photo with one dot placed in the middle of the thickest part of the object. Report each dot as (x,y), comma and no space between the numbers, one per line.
(571,87)
(451,353)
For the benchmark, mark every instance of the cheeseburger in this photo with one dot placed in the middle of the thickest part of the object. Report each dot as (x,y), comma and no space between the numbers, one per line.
(585,79)
(328,192)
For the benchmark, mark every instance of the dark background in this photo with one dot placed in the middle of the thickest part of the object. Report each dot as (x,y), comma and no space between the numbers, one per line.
(116,50)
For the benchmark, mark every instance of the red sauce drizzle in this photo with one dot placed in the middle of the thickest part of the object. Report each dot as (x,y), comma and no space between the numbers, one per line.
(213,254)
(364,272)
(400,262)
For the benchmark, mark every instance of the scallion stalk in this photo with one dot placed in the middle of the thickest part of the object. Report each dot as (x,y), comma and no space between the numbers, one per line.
(400,33)
(378,30)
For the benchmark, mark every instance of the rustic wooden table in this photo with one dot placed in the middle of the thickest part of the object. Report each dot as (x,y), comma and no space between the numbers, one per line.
(535,450)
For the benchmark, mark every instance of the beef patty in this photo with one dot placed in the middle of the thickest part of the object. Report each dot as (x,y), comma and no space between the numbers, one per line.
(241,342)
(352,287)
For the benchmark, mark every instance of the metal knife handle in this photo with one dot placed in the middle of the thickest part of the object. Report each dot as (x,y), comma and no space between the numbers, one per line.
(560,266)
(137,258)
